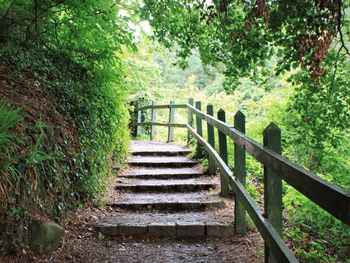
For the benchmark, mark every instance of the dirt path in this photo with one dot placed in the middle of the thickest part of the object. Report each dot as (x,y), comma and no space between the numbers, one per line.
(83,244)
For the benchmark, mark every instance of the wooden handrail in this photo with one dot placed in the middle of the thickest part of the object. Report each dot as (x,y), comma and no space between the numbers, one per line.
(175,125)
(163,106)
(331,198)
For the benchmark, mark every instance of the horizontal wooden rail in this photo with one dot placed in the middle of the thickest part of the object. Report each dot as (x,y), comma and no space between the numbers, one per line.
(176,125)
(328,196)
(333,199)
(269,234)
(164,106)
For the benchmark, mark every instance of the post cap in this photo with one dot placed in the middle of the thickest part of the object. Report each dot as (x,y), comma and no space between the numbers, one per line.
(272,127)
(239,114)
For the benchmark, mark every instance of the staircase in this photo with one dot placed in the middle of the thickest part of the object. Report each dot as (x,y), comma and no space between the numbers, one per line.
(165,193)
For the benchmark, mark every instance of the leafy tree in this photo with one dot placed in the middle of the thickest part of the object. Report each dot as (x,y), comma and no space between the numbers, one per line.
(244,34)
(304,36)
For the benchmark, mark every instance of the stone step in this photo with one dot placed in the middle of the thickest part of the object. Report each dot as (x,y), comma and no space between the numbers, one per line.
(194,224)
(147,148)
(156,161)
(171,185)
(160,152)
(165,201)
(161,173)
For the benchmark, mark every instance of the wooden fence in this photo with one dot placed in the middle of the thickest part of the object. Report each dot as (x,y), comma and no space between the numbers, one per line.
(331,198)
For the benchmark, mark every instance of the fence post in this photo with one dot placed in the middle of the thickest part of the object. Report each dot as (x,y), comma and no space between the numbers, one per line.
(272,187)
(211,139)
(223,154)
(139,127)
(153,119)
(190,119)
(240,173)
(171,121)
(199,151)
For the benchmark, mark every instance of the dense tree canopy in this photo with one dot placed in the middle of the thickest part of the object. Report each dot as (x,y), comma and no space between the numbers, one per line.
(306,37)
(245,34)
(87,31)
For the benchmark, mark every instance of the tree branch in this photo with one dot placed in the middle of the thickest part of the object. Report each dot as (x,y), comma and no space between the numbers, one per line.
(8,10)
(339,26)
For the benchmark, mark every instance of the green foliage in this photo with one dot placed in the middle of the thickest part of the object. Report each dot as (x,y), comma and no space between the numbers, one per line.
(317,236)
(243,35)
(321,115)
(8,119)
(101,121)
(259,39)
(80,66)
(143,73)
(88,32)
(71,49)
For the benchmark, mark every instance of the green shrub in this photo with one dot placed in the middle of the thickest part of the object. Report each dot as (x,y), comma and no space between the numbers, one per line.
(69,53)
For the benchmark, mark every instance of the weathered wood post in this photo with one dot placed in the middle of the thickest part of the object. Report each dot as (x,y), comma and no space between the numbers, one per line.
(240,173)
(139,114)
(211,140)
(171,121)
(153,119)
(190,119)
(223,154)
(199,150)
(272,187)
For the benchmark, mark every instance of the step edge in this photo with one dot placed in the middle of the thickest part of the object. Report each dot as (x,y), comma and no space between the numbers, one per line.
(177,229)
(160,152)
(163,174)
(175,184)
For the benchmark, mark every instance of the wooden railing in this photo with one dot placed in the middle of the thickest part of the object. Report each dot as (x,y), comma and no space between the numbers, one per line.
(331,198)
